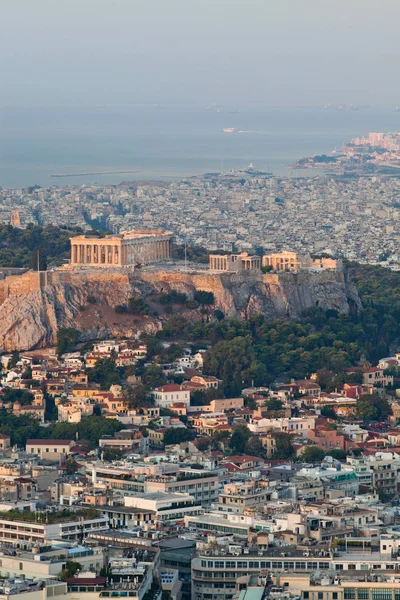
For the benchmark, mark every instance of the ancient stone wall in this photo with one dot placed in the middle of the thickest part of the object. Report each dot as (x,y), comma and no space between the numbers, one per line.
(15,285)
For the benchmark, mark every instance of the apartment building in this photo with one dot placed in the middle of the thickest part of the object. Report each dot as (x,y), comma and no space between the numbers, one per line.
(38,528)
(169,394)
(51,450)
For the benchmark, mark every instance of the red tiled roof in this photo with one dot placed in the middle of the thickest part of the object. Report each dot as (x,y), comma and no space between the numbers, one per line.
(169,387)
(243,459)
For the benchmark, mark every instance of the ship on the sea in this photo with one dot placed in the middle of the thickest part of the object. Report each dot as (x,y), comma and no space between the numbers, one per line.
(230,130)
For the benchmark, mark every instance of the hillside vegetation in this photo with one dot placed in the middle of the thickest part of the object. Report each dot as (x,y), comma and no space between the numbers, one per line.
(21,247)
(260,351)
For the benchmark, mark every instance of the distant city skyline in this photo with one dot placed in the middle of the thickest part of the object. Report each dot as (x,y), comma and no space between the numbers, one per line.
(234,52)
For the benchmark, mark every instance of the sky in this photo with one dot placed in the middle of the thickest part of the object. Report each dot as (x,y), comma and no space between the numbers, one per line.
(228,52)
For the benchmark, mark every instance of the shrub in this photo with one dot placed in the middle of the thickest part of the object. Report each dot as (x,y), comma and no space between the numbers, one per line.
(203,297)
(192,304)
(137,305)
(121,308)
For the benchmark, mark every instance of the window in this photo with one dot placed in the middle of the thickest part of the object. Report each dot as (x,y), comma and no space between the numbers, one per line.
(306,595)
(349,594)
(21,566)
(362,594)
(382,594)
(334,595)
(320,596)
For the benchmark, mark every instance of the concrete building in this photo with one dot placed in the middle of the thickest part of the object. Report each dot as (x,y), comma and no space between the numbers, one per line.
(52,450)
(129,248)
(375,376)
(5,441)
(27,529)
(165,506)
(170,394)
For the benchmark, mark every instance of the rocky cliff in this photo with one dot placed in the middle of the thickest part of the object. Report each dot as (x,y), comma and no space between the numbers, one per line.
(31,315)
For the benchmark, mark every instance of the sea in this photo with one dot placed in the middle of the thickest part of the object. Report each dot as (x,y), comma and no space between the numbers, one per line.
(163,142)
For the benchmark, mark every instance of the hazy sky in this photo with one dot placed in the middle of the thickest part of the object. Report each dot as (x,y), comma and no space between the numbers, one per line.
(292,52)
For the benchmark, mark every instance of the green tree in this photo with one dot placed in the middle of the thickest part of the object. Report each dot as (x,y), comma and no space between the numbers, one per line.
(254,447)
(70,570)
(67,338)
(12,363)
(239,438)
(154,377)
(203,444)
(250,403)
(372,407)
(312,454)
(27,374)
(266,269)
(24,397)
(138,396)
(138,306)
(337,453)
(274,404)
(367,411)
(110,454)
(329,412)
(38,260)
(284,446)
(204,298)
(51,411)
(71,466)
(178,435)
(105,372)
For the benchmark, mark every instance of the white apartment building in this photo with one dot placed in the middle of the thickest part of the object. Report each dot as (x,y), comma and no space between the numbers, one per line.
(166,507)
(296,425)
(170,394)
(26,530)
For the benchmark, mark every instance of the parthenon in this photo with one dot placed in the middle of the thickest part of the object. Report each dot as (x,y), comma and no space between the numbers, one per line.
(140,246)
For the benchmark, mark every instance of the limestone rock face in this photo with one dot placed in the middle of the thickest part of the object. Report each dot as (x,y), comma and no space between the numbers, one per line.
(276,296)
(31,319)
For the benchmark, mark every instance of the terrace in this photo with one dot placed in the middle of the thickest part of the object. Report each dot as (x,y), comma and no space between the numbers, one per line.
(49,517)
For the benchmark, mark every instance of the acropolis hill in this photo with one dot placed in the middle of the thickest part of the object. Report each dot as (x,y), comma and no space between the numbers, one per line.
(33,306)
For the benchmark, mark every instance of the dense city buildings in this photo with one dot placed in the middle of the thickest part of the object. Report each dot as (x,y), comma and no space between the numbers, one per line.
(354,218)
(183,459)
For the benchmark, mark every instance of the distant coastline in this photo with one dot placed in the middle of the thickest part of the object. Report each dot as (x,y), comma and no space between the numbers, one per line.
(94,173)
